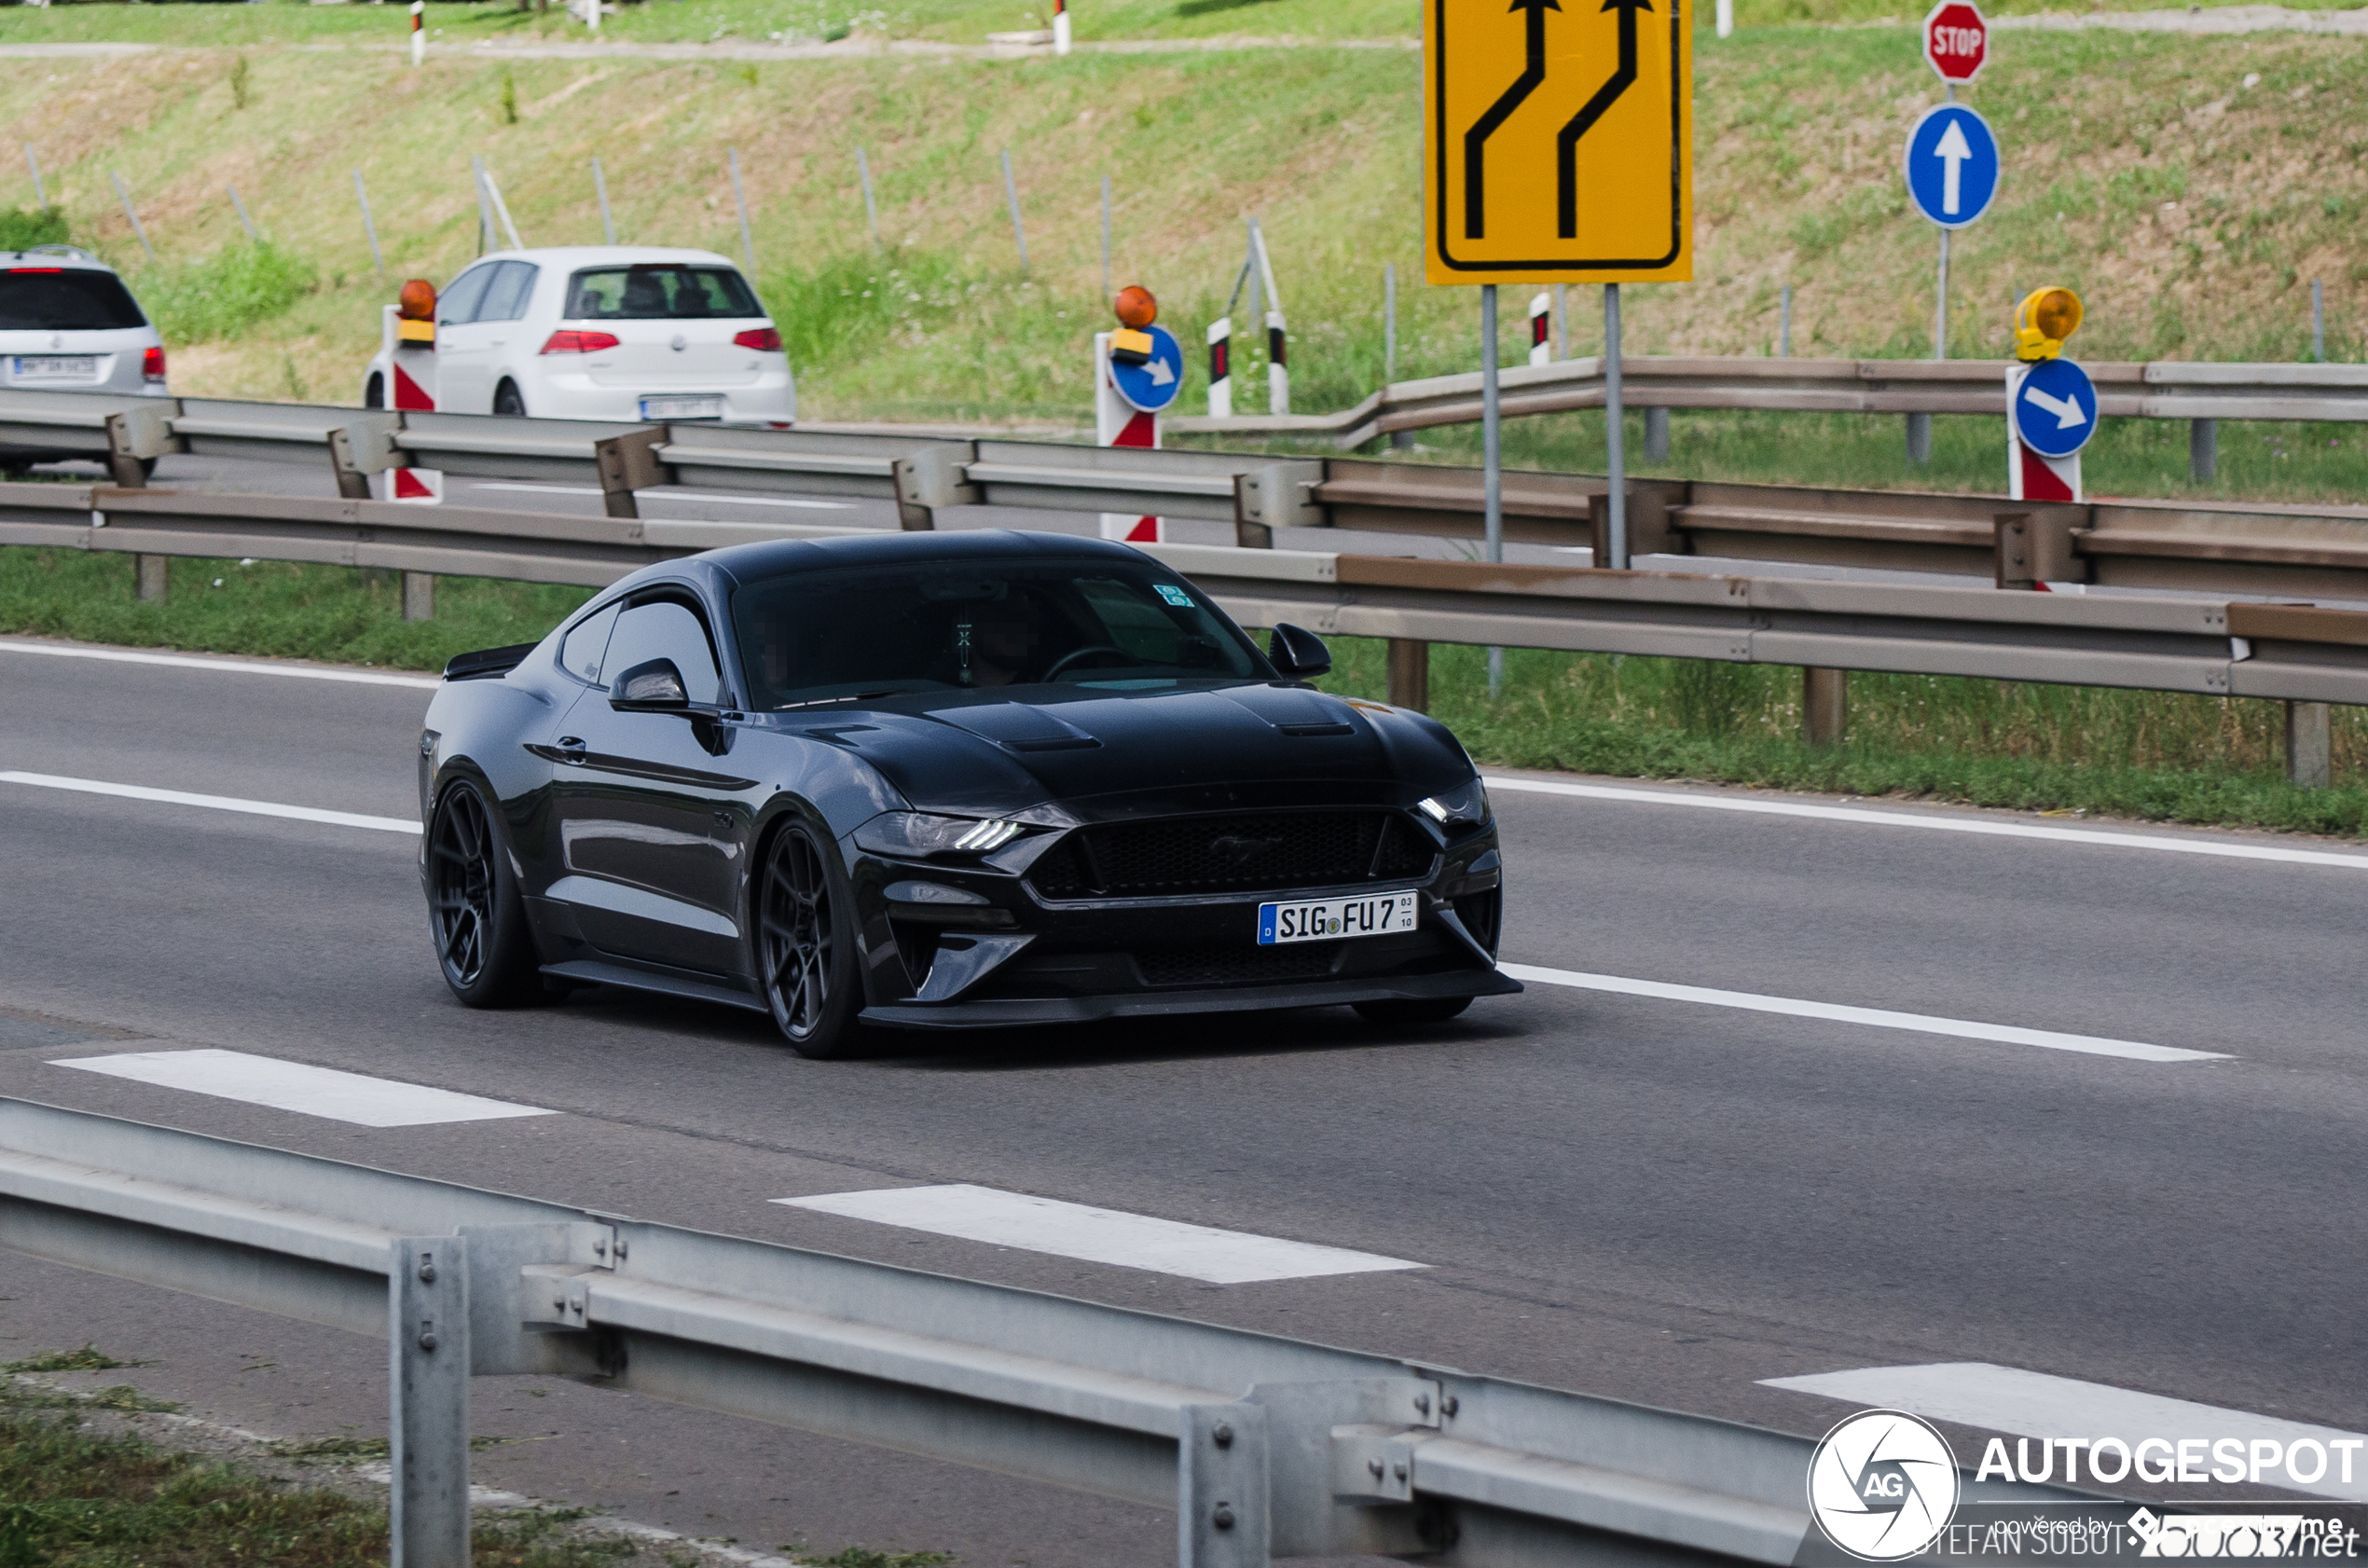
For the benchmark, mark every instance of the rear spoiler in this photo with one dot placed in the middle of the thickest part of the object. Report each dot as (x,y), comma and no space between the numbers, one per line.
(487,664)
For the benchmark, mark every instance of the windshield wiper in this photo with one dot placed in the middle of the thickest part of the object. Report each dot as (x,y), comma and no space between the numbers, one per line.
(852,697)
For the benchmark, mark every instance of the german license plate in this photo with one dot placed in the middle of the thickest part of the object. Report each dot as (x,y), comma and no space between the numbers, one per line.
(681,408)
(1374,914)
(29,367)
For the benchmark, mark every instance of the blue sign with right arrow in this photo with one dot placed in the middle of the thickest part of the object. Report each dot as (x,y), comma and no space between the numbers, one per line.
(1952,165)
(2055,408)
(1153,384)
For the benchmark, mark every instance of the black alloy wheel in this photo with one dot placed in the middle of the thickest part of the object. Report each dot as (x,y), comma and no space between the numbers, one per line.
(473,910)
(806,944)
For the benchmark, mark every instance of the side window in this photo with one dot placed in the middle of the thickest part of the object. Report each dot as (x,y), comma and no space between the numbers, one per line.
(513,286)
(581,650)
(665,630)
(458,305)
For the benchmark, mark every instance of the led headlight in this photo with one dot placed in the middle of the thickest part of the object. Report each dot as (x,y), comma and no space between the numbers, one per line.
(920,835)
(1465,808)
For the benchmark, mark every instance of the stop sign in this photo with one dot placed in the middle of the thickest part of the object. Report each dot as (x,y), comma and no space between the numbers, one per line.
(1956,40)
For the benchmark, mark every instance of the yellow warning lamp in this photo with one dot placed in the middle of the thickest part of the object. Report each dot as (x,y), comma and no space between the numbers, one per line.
(415,312)
(2043,321)
(1136,309)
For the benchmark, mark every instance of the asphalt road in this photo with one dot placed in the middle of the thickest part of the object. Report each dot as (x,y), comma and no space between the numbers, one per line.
(1632,1195)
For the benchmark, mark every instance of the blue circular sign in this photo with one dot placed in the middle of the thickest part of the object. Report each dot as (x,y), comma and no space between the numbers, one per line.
(2055,408)
(1153,384)
(1951,165)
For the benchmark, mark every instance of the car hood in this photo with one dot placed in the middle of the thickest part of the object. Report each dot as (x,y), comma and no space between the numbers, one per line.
(1105,753)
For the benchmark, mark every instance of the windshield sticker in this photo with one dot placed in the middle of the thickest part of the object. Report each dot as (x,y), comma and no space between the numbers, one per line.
(1174,595)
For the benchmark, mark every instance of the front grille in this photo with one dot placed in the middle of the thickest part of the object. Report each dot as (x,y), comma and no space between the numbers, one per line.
(1238,966)
(1267,852)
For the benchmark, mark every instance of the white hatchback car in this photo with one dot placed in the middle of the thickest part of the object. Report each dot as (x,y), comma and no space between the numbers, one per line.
(603,332)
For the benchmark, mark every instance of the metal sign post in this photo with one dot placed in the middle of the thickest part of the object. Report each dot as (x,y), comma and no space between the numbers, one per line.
(1956,47)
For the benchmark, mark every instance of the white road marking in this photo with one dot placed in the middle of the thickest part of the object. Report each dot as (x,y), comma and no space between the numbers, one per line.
(683,495)
(1129,1241)
(2163,842)
(266,1081)
(2038,1405)
(231,666)
(213,802)
(1880,1018)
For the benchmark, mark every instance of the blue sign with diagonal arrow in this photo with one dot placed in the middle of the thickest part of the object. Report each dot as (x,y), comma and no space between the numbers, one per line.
(1952,165)
(1153,384)
(2055,408)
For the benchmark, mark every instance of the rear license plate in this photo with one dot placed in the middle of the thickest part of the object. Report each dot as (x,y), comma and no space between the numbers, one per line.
(1375,914)
(32,367)
(681,408)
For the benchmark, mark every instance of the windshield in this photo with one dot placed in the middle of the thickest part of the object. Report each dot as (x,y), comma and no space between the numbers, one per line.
(831,636)
(664,293)
(65,299)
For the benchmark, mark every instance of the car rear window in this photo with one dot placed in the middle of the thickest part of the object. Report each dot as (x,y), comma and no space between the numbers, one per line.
(65,299)
(659,292)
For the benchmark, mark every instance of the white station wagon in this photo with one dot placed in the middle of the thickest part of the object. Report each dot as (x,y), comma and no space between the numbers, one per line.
(601,332)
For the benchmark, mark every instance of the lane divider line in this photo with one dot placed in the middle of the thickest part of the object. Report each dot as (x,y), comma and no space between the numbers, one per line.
(2041,1405)
(309,1091)
(212,802)
(1096,1236)
(1865,816)
(232,667)
(1879,1018)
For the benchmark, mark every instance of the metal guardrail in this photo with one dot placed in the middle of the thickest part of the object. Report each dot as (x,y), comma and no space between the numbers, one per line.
(2298,654)
(1264,1446)
(2211,547)
(2160,391)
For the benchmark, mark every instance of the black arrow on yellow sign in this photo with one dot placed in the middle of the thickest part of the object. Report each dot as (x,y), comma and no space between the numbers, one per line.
(1567,145)
(1476,139)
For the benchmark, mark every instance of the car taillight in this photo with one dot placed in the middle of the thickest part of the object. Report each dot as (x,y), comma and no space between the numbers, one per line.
(569,341)
(152,366)
(764,339)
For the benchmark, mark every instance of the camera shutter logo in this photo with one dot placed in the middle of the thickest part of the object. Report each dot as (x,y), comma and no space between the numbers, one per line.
(1882,1485)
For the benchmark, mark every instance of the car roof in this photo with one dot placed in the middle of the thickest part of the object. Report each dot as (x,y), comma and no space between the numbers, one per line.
(777,557)
(607,256)
(58,256)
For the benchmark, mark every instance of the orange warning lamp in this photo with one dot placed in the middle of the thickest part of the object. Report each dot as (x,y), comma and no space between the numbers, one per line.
(415,312)
(2043,321)
(1136,309)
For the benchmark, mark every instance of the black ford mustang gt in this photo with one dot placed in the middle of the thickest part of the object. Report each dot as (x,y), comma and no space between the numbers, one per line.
(945,780)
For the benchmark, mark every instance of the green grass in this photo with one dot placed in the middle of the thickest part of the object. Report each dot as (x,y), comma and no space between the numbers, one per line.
(278,608)
(234,290)
(2159,756)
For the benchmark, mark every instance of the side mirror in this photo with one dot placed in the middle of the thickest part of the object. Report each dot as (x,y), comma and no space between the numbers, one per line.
(655,687)
(1298,654)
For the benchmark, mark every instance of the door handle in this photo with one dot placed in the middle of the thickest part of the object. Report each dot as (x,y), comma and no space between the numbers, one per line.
(574,745)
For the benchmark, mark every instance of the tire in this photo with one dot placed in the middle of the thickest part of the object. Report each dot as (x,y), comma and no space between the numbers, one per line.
(147,468)
(374,394)
(806,945)
(474,915)
(1396,1015)
(508,402)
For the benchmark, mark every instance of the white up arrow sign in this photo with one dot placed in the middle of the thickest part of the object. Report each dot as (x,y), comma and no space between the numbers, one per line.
(1952,152)
(2066,409)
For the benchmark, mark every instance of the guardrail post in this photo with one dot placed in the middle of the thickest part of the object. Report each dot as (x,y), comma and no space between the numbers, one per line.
(136,437)
(418,597)
(1656,435)
(2203,449)
(2015,568)
(2310,744)
(1221,1487)
(1410,674)
(1919,440)
(428,1384)
(627,464)
(1824,705)
(148,573)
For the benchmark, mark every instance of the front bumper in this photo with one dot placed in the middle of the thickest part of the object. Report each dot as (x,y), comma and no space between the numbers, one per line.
(1012,956)
(1000,1013)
